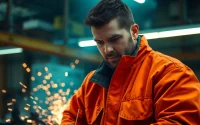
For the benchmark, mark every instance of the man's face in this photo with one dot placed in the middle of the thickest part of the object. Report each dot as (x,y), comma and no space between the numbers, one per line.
(113,42)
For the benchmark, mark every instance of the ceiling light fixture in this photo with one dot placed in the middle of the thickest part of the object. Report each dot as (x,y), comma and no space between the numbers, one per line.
(140,1)
(10,51)
(87,43)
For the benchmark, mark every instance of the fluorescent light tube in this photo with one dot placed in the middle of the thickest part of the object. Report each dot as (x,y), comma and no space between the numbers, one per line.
(140,1)
(87,43)
(172,33)
(11,51)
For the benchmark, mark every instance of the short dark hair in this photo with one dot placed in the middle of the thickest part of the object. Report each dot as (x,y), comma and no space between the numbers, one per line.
(106,10)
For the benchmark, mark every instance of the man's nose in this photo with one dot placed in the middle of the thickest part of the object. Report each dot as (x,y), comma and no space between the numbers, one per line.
(108,48)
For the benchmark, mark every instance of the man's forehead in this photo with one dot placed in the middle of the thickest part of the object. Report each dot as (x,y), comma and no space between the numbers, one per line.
(110,25)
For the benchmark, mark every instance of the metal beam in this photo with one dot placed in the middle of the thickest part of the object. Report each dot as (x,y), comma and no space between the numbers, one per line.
(3,85)
(47,47)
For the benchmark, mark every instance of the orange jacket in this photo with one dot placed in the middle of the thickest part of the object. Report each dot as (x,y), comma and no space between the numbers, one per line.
(147,89)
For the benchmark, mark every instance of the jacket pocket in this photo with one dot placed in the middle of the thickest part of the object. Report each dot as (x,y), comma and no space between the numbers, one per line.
(94,115)
(136,109)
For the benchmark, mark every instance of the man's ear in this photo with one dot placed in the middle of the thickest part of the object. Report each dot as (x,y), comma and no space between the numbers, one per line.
(134,30)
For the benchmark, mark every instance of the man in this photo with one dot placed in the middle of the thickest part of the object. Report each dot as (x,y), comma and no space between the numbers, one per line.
(134,85)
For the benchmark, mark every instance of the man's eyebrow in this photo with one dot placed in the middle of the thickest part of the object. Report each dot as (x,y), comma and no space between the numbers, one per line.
(114,36)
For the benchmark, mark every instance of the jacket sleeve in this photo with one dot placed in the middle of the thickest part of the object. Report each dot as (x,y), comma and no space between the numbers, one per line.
(177,98)
(75,111)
